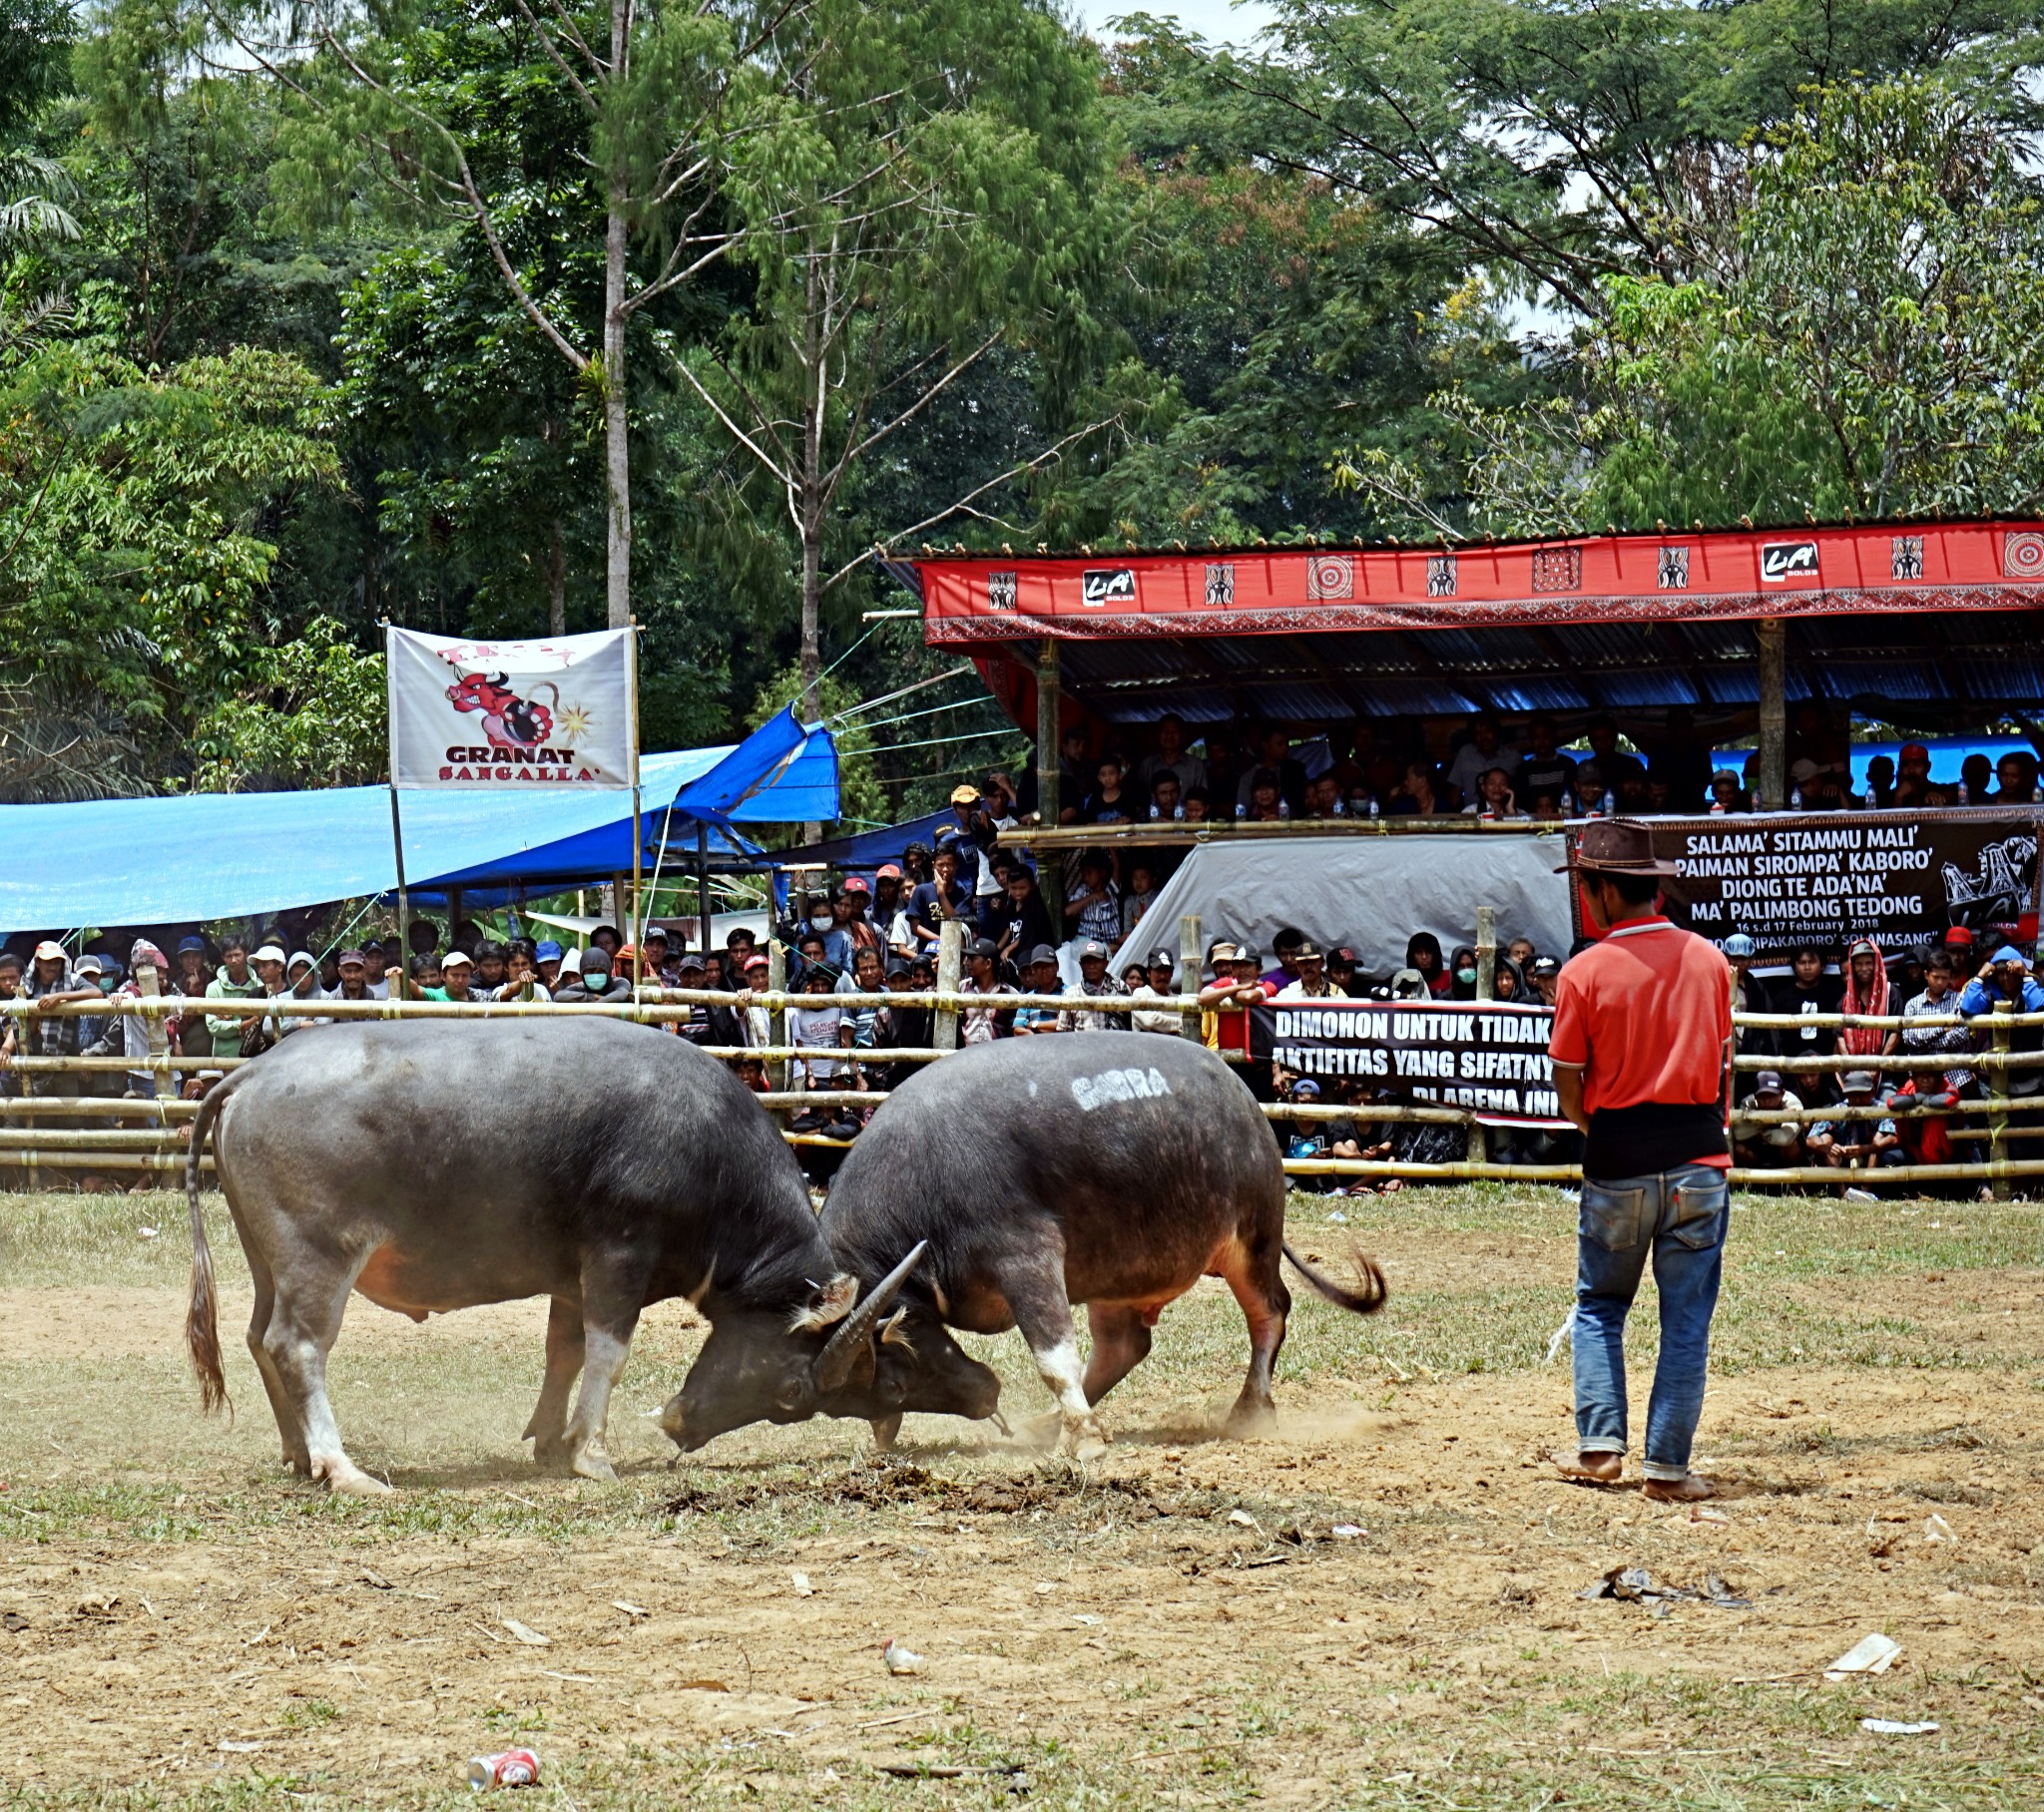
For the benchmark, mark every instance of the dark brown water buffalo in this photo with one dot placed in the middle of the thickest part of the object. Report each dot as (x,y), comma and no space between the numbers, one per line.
(435,1166)
(1105,1167)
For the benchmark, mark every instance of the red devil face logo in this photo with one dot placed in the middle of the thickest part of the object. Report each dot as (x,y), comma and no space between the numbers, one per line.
(508,720)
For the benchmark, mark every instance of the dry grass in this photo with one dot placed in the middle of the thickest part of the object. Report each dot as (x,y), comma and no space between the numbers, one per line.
(1115,1634)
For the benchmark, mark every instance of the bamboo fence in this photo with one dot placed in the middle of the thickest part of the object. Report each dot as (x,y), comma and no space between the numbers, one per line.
(57,1132)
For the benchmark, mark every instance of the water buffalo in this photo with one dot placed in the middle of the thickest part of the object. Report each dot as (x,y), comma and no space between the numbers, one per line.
(435,1166)
(1105,1167)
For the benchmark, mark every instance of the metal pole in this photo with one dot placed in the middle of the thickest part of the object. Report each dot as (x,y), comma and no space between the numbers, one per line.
(1997,1099)
(638,918)
(1050,875)
(951,951)
(1190,963)
(702,884)
(1773,650)
(398,992)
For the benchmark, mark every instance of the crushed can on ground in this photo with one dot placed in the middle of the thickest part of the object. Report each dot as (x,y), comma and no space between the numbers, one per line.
(514,1768)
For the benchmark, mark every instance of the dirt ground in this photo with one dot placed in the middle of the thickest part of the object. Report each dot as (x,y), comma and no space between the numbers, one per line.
(1379,1604)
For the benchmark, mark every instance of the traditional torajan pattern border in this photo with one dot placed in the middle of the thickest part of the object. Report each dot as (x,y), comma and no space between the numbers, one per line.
(1660,577)
(1466,614)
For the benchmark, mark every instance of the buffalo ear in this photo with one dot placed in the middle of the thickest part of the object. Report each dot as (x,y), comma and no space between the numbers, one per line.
(833,1301)
(852,1346)
(891,1334)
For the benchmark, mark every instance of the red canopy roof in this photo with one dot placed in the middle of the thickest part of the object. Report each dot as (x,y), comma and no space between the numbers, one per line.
(1663,578)
(1920,621)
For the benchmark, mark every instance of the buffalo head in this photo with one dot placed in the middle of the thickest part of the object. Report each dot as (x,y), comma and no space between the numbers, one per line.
(915,1367)
(762,1366)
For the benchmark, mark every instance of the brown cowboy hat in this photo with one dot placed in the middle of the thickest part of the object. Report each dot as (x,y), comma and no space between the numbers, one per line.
(1617,846)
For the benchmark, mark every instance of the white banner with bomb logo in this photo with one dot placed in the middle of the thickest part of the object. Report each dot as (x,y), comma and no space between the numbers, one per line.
(509,715)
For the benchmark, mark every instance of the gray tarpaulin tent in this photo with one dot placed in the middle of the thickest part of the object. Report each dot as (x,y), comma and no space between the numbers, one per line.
(1371,893)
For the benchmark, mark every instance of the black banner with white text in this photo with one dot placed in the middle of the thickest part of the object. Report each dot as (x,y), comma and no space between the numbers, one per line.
(1899,877)
(1483,1056)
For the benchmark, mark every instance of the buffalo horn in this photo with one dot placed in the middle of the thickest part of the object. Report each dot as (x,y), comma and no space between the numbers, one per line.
(834,1362)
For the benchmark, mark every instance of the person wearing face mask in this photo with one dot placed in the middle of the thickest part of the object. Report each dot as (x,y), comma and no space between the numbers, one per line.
(1462,973)
(821,921)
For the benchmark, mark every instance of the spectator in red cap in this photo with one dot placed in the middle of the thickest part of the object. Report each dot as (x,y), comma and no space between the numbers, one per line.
(850,911)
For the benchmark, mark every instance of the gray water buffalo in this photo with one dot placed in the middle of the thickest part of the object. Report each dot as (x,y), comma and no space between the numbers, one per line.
(436,1165)
(1105,1167)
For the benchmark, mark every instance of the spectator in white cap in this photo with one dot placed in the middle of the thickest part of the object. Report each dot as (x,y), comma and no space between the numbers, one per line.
(1157,973)
(1094,980)
(457,970)
(50,983)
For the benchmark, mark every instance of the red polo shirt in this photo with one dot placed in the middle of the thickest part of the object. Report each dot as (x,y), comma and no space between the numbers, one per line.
(1645,1015)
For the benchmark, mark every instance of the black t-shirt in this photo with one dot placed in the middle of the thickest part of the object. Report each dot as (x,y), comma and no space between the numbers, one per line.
(1826,995)
(1555,774)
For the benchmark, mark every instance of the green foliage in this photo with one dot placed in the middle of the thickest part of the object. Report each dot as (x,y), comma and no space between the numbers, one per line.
(134,505)
(859,795)
(310,712)
(1868,340)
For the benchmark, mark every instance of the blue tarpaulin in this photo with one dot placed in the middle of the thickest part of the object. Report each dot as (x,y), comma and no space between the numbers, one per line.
(234,855)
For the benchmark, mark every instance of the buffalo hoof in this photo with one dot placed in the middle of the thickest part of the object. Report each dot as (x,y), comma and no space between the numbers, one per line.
(1046,1430)
(885,1432)
(346,1480)
(1246,1420)
(550,1456)
(589,1464)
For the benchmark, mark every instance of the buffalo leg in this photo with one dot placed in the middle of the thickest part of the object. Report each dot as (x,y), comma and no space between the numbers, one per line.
(610,1315)
(294,1455)
(1121,1342)
(303,1324)
(1045,1318)
(1254,1276)
(548,1429)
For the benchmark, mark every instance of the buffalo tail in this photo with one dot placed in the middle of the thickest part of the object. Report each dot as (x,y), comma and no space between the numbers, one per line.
(201,1320)
(1364,1301)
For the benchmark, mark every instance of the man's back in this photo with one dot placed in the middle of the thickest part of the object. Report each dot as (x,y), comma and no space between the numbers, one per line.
(1646,1013)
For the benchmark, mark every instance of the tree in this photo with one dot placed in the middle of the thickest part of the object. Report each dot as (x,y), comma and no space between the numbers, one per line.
(310,712)
(1551,137)
(1869,341)
(136,514)
(929,186)
(402,110)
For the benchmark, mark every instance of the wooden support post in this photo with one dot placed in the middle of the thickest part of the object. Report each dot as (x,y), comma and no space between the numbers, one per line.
(1050,876)
(776,983)
(1486,990)
(1190,961)
(1997,1100)
(950,949)
(1774,649)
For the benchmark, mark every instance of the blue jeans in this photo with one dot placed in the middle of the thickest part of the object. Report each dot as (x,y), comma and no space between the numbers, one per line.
(1680,1217)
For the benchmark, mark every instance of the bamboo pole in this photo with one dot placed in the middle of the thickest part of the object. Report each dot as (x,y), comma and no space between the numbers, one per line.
(776,1013)
(1178,835)
(1050,879)
(950,943)
(1997,1122)
(1192,962)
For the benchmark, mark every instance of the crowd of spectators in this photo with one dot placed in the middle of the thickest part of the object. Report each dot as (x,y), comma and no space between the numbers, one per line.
(1945,994)
(1523,770)
(879,933)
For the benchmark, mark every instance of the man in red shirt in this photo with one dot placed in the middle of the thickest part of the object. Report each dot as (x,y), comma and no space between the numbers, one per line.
(1642,1050)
